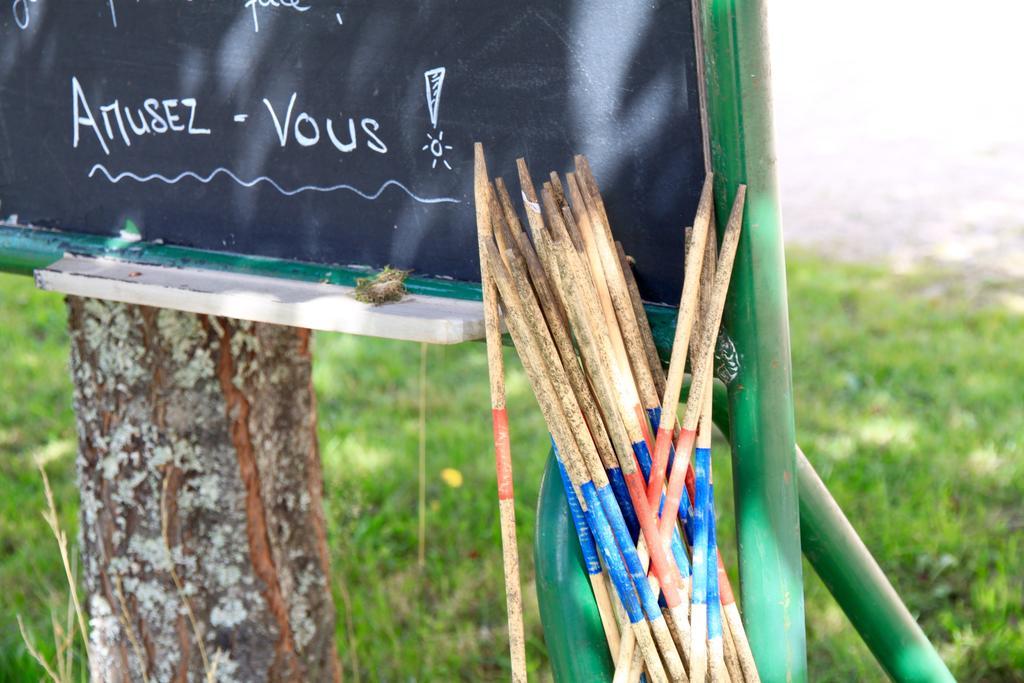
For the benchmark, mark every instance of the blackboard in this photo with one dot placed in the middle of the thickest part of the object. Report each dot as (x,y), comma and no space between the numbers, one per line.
(341,131)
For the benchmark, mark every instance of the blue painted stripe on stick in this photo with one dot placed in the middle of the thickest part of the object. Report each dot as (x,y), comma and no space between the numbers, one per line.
(714,603)
(621,491)
(636,570)
(654,415)
(612,557)
(587,545)
(679,553)
(700,537)
(643,458)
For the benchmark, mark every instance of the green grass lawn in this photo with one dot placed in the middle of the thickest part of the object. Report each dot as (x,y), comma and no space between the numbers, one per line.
(909,405)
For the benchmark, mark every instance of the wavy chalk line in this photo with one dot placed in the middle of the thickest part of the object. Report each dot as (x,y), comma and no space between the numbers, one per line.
(264,179)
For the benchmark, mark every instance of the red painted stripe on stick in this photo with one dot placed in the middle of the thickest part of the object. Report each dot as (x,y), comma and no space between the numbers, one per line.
(659,465)
(676,483)
(502,453)
(667,573)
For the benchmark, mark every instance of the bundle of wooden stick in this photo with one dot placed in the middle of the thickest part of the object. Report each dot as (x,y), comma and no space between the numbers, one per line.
(646,527)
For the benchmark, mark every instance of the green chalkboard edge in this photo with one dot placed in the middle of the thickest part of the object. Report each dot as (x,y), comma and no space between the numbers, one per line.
(25,249)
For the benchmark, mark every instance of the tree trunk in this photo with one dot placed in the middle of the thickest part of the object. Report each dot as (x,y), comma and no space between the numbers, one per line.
(202,528)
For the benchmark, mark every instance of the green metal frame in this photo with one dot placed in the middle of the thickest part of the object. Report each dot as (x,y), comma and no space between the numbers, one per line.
(760,398)
(24,249)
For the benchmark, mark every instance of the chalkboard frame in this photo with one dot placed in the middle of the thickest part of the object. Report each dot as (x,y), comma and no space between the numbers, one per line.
(25,249)
(229,258)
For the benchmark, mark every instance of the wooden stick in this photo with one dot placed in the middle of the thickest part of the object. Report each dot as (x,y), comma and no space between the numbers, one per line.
(609,360)
(739,635)
(546,390)
(499,416)
(626,641)
(421,555)
(718,640)
(585,219)
(618,290)
(706,346)
(620,357)
(562,203)
(650,349)
(657,371)
(584,321)
(694,279)
(503,454)
(533,317)
(716,633)
(702,461)
(699,611)
(636,668)
(695,403)
(732,660)
(680,345)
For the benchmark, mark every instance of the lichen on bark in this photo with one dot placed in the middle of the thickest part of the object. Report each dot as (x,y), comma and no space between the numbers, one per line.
(198,461)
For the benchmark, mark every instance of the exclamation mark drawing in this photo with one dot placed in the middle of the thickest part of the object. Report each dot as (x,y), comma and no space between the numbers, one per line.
(434,82)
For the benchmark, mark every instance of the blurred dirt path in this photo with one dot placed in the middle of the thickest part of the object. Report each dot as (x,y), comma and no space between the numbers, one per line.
(900,131)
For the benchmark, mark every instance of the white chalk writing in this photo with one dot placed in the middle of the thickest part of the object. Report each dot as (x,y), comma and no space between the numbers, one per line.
(306,130)
(100,168)
(21,9)
(113,125)
(437,149)
(22,16)
(434,81)
(256,5)
(154,117)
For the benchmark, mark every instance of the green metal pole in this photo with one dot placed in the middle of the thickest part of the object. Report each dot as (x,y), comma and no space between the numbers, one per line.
(857,583)
(853,577)
(737,74)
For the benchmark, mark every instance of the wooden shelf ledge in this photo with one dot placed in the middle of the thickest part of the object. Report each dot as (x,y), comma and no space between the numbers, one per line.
(333,308)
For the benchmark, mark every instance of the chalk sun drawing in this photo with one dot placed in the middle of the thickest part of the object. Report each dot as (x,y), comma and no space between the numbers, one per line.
(437,148)
(100,168)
